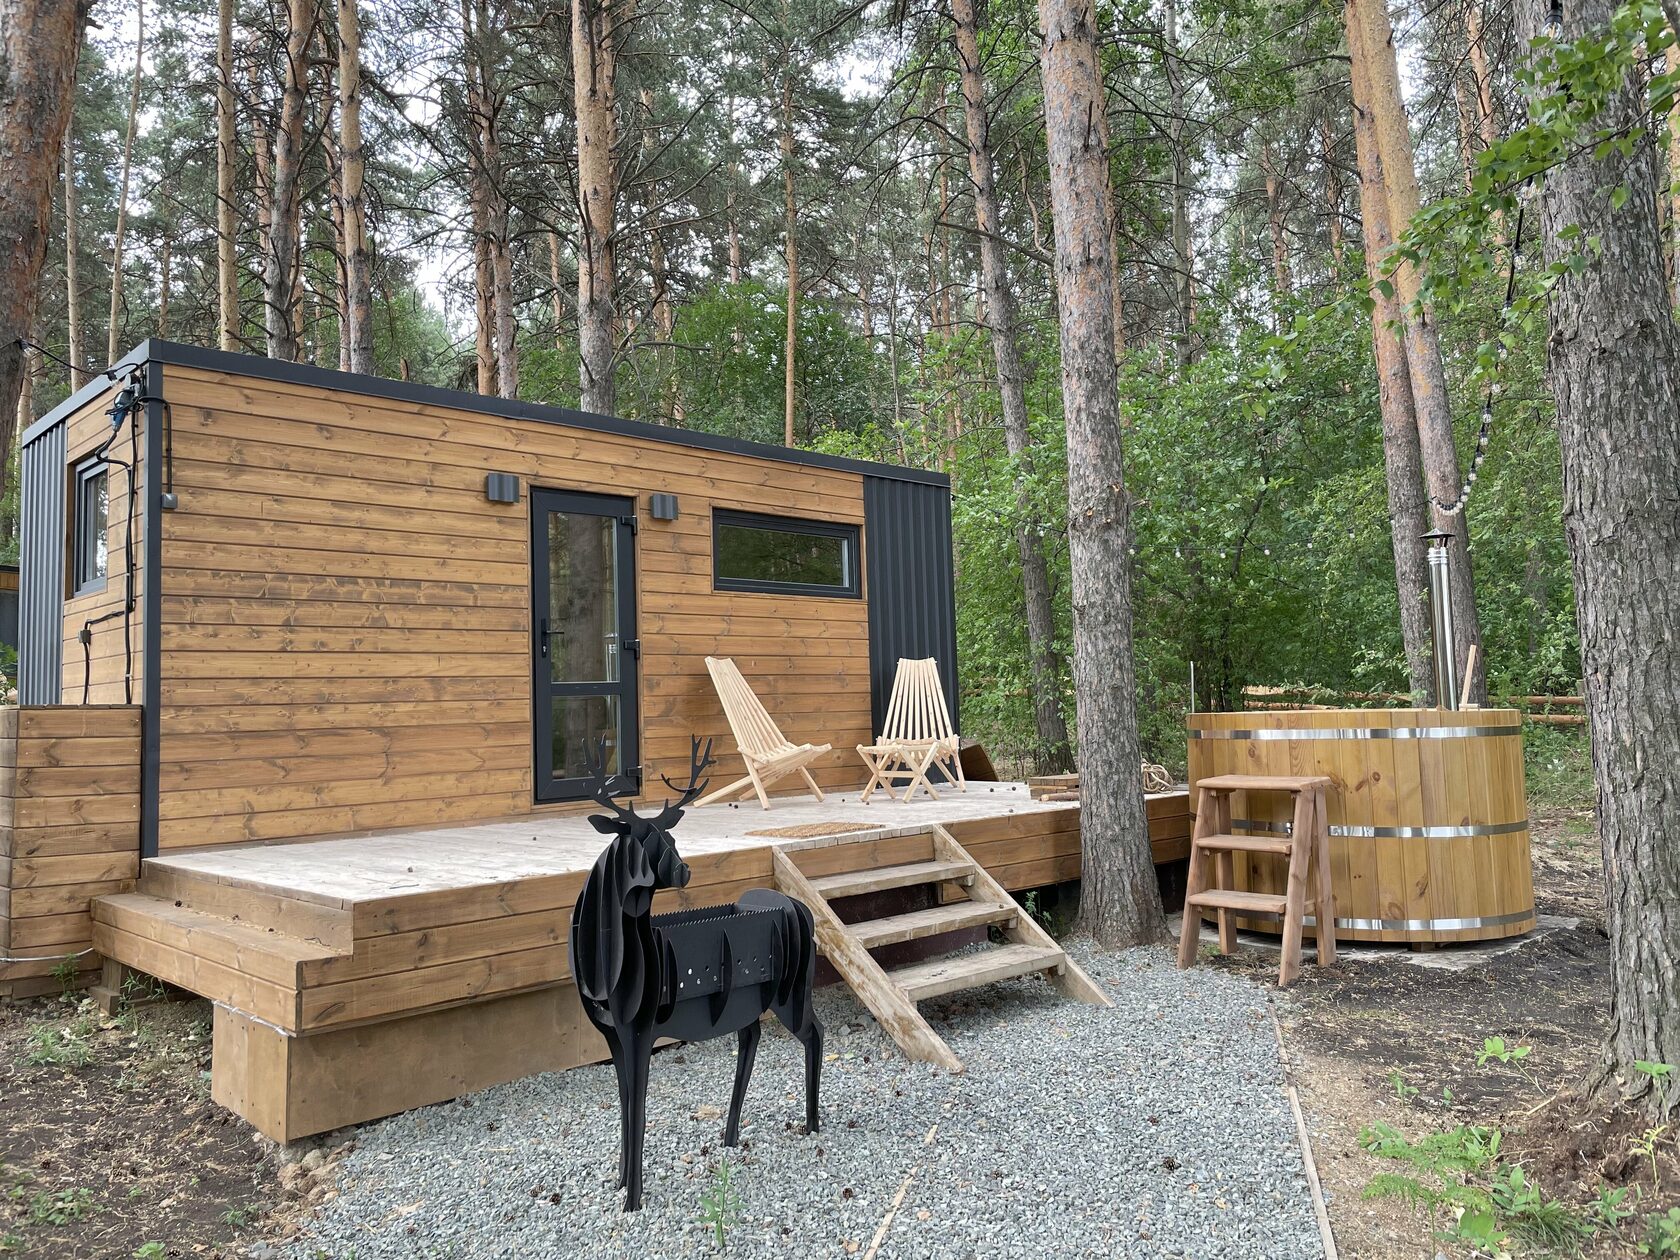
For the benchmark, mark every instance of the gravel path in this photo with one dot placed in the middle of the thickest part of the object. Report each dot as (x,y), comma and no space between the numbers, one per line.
(1156,1129)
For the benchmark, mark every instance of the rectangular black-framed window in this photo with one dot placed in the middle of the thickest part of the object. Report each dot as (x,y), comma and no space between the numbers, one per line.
(784,555)
(90,513)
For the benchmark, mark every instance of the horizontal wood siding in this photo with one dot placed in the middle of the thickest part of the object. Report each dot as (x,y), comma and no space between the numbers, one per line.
(101,664)
(69,832)
(345,630)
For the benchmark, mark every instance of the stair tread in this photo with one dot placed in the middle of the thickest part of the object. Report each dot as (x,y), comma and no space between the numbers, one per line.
(1232,899)
(1263,782)
(940,976)
(917,924)
(1248,844)
(876,879)
(156,919)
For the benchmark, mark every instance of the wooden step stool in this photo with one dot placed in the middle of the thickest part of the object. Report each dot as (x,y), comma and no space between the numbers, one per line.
(1307,846)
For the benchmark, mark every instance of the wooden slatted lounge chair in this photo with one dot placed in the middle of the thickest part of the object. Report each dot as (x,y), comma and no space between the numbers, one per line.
(918,735)
(769,755)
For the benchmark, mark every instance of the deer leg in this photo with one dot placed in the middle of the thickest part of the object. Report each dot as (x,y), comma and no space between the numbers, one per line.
(640,1047)
(813,1072)
(747,1052)
(621,1069)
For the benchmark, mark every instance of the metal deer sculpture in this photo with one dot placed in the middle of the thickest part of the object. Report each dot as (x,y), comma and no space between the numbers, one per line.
(693,975)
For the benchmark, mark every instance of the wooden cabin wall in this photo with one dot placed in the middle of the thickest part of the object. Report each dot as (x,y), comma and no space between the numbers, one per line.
(346,618)
(103,666)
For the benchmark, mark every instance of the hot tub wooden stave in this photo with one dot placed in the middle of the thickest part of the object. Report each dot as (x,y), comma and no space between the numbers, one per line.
(1428,815)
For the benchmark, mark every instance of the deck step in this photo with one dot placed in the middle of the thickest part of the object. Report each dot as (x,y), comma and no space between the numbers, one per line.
(243,947)
(1281,845)
(915,925)
(1232,899)
(856,883)
(940,976)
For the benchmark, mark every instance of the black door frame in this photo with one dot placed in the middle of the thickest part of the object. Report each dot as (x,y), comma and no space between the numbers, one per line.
(622,510)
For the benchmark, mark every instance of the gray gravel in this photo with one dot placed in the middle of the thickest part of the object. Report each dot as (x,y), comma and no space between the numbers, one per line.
(1155,1129)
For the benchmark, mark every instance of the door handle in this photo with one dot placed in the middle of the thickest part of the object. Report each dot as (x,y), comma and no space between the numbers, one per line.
(542,637)
(634,647)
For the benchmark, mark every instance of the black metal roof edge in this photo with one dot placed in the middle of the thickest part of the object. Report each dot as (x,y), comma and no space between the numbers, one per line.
(253,365)
(142,353)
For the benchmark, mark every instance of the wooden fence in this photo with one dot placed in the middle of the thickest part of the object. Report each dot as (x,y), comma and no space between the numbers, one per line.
(69,832)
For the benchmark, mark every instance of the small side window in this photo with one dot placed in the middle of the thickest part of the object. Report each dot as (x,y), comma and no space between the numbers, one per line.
(91,512)
(783,555)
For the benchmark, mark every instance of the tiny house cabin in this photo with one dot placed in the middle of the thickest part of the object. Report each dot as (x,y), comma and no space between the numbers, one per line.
(353,604)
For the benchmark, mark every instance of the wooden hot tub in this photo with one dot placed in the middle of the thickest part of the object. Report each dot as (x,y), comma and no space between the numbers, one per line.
(1428,817)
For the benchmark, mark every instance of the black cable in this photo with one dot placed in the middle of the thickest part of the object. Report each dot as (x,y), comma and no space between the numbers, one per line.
(126,612)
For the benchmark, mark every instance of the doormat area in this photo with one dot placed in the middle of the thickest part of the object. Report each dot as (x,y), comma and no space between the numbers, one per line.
(806,831)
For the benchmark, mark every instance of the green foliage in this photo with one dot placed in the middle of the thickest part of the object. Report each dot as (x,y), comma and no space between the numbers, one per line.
(61,1207)
(150,1251)
(720,1205)
(67,1047)
(1662,1234)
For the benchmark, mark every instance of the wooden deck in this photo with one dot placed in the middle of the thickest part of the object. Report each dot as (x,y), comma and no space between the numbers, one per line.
(358,977)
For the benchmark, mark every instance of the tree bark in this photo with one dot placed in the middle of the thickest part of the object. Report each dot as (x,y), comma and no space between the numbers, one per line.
(503,309)
(358,262)
(478,197)
(1275,222)
(1332,185)
(595,73)
(1054,753)
(791,213)
(73,265)
(1423,348)
(227,218)
(163,285)
(280,267)
(1120,902)
(1674,178)
(1183,288)
(1614,364)
(556,298)
(113,331)
(39,43)
(1408,514)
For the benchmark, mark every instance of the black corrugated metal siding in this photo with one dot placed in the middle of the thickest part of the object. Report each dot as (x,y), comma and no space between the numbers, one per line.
(41,566)
(911,584)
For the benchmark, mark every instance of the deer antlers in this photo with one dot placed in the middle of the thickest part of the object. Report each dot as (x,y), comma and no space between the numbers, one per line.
(600,783)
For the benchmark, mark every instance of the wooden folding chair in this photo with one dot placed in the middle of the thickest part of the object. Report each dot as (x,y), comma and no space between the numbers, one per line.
(768,754)
(918,735)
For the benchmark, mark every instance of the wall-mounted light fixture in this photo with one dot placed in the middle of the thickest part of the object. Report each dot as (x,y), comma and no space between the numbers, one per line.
(663,507)
(501,488)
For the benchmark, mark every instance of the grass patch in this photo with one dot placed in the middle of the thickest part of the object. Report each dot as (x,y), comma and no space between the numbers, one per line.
(1557,761)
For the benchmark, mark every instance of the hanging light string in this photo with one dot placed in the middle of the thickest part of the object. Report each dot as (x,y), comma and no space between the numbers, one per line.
(1495,387)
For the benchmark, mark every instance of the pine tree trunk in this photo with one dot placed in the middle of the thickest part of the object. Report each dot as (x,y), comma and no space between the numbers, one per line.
(664,311)
(478,197)
(503,309)
(1119,902)
(1275,224)
(556,295)
(227,219)
(1408,512)
(39,43)
(1423,348)
(1054,753)
(1332,186)
(1614,364)
(1674,179)
(358,262)
(595,71)
(73,266)
(113,328)
(163,286)
(280,267)
(1183,288)
(791,212)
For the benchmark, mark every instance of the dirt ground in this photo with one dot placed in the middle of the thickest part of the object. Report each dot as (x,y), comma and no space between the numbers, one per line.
(109,1143)
(1385,1041)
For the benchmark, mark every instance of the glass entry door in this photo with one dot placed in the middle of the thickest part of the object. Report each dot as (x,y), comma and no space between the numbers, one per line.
(585,652)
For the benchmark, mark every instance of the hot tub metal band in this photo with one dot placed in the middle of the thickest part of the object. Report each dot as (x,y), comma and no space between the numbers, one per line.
(1398,925)
(1390,833)
(1360,732)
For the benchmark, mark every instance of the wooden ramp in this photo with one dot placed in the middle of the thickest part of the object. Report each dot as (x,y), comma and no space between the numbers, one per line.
(965,897)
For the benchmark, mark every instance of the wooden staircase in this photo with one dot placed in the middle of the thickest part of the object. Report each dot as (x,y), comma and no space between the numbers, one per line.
(891,994)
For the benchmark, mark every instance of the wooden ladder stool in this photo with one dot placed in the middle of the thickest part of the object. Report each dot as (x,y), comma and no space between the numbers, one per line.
(1307,846)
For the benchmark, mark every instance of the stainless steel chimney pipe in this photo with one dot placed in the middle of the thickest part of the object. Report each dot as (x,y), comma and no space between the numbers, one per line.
(1441,619)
